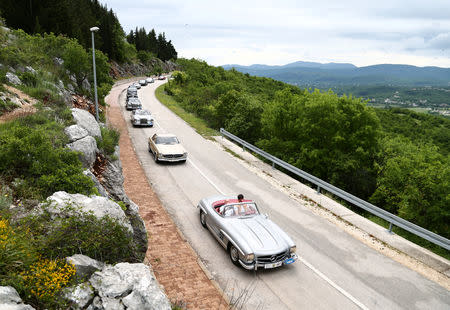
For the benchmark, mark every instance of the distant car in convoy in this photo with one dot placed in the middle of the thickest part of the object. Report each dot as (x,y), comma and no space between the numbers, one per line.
(161,77)
(133,103)
(131,92)
(143,82)
(251,239)
(150,80)
(137,85)
(141,118)
(166,147)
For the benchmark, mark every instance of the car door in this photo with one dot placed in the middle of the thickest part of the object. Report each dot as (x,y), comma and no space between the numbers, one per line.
(215,222)
(152,143)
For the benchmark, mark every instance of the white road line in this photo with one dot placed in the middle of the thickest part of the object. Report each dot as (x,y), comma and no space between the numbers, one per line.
(341,290)
(207,179)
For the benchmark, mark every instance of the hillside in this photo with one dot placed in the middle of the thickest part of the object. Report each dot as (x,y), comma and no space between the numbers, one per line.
(310,74)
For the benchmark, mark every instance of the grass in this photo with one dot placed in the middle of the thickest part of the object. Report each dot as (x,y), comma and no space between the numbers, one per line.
(195,122)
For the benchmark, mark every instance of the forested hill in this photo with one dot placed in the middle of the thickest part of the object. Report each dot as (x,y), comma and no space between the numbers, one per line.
(74,18)
(396,159)
(335,74)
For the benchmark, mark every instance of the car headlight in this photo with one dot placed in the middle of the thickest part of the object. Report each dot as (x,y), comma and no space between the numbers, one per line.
(293,249)
(249,257)
(185,154)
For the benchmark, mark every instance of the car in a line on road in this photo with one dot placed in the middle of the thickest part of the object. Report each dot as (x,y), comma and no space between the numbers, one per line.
(166,147)
(141,117)
(161,77)
(143,82)
(251,239)
(131,91)
(150,80)
(133,103)
(137,85)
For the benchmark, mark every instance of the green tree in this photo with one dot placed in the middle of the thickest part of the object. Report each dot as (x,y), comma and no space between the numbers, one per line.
(414,182)
(77,61)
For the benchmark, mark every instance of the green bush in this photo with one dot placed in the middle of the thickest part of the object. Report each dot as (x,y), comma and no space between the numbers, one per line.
(35,161)
(7,106)
(110,139)
(80,234)
(28,78)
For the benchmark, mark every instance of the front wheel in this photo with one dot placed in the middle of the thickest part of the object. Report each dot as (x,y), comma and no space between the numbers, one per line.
(203,218)
(234,255)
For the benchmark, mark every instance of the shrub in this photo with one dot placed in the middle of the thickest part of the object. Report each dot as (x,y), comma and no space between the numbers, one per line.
(43,282)
(16,252)
(34,159)
(28,78)
(7,106)
(79,233)
(110,139)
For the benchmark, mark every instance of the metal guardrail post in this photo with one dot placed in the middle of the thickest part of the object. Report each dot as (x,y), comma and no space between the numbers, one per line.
(381,213)
(390,228)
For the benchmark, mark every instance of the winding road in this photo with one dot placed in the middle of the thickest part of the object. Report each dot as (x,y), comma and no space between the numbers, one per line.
(335,270)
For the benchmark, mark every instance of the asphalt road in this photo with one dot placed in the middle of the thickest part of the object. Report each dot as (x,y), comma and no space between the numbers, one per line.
(335,271)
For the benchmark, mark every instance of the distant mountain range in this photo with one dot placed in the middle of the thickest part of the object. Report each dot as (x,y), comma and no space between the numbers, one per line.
(345,74)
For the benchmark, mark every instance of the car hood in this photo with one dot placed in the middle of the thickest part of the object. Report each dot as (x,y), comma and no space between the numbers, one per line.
(170,148)
(262,235)
(142,117)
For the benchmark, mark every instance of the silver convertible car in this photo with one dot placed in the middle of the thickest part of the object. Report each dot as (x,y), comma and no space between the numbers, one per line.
(251,239)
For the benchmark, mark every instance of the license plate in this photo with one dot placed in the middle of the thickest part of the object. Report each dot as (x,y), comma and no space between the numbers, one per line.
(273,265)
(289,261)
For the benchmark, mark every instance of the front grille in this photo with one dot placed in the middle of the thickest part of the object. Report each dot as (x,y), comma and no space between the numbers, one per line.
(173,155)
(144,121)
(267,259)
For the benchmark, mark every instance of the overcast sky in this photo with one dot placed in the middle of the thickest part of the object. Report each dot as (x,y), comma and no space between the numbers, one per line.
(245,32)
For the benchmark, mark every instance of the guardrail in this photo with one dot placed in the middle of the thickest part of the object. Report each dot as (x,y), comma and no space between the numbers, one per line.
(391,218)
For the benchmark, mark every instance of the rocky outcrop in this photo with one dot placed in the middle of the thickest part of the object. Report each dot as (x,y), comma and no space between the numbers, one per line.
(139,69)
(97,184)
(10,299)
(86,120)
(84,265)
(123,286)
(13,79)
(75,132)
(99,206)
(87,147)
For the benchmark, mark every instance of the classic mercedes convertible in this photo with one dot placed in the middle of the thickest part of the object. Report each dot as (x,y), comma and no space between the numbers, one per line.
(251,239)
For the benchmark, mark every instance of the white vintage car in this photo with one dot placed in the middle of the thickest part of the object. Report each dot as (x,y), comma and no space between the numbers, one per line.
(250,238)
(141,117)
(166,147)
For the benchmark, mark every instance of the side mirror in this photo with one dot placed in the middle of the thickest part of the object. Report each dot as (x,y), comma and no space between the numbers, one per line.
(266,215)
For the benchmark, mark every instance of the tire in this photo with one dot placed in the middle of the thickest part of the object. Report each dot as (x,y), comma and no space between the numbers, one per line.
(234,255)
(202,218)
(156,157)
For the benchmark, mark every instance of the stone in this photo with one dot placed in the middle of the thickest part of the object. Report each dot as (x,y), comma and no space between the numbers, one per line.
(140,237)
(87,147)
(98,185)
(10,299)
(113,178)
(13,79)
(30,69)
(81,295)
(84,265)
(134,284)
(86,120)
(58,61)
(99,206)
(75,132)
(86,85)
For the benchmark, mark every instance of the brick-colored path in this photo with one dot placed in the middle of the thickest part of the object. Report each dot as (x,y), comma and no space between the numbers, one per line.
(174,262)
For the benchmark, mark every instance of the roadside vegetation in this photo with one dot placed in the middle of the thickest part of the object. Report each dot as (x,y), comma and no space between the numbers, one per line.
(35,163)
(396,159)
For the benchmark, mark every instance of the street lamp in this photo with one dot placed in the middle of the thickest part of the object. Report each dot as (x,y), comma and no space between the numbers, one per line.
(94,29)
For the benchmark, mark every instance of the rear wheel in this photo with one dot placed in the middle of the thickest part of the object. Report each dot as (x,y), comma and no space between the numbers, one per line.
(203,218)
(234,255)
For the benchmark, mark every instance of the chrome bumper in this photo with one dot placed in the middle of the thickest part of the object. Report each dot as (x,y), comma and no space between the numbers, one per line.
(254,266)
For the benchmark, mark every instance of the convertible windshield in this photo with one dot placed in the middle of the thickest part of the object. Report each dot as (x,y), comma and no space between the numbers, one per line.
(141,112)
(167,140)
(239,210)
